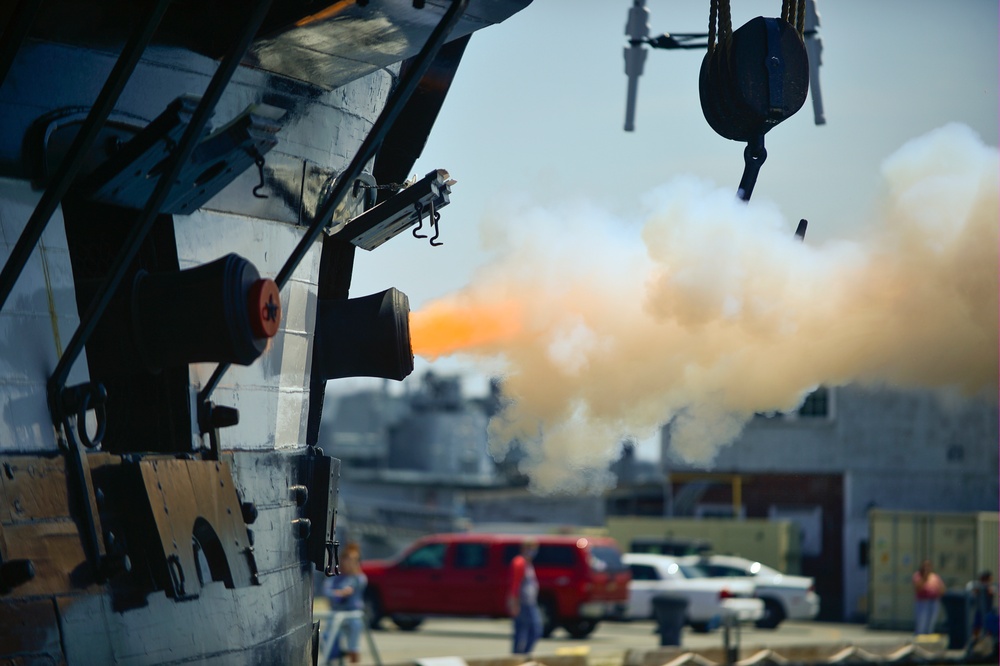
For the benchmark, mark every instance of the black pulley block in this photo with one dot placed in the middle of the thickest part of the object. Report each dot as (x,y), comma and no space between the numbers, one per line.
(753,81)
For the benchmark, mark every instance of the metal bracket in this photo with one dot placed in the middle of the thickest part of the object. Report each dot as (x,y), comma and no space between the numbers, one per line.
(320,475)
(400,212)
(79,469)
(128,178)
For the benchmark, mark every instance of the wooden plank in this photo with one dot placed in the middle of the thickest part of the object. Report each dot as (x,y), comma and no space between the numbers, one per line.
(34,488)
(55,550)
(29,627)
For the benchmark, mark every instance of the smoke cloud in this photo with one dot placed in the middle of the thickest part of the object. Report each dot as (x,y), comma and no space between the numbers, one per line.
(719,312)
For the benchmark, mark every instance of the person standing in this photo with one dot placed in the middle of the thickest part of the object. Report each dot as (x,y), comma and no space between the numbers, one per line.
(928,588)
(522,599)
(347,593)
(984,620)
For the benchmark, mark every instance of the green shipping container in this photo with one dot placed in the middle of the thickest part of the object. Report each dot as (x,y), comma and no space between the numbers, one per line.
(959,545)
(773,542)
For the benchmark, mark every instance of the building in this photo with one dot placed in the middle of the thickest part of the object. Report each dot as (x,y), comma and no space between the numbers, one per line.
(844,452)
(418,463)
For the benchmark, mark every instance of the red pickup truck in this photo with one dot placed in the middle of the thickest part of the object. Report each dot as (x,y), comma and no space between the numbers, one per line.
(581,580)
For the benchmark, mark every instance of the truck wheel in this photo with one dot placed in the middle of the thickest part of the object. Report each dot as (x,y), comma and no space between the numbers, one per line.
(580,628)
(407,622)
(549,617)
(373,609)
(774,615)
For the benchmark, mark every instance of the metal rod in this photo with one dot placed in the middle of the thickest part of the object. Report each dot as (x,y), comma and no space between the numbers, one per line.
(753,158)
(145,221)
(82,142)
(15,34)
(394,106)
(630,96)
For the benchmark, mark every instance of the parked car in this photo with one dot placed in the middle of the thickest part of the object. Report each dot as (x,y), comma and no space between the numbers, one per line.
(581,580)
(708,598)
(784,596)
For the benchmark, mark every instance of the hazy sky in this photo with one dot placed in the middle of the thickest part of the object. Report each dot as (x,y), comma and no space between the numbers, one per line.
(535,118)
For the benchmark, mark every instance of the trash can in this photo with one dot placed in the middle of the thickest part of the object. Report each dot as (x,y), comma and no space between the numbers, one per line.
(956,608)
(669,611)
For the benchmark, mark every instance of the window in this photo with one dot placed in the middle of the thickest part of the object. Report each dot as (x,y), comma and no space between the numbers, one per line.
(692,571)
(816,404)
(549,555)
(430,556)
(643,572)
(555,556)
(722,571)
(470,555)
(605,558)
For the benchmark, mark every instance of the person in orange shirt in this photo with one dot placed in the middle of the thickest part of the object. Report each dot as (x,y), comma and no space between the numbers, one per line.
(522,599)
(928,588)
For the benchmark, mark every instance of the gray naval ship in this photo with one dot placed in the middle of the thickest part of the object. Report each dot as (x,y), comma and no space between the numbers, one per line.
(183,186)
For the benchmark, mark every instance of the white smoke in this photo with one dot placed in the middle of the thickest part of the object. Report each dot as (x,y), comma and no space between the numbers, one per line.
(721,313)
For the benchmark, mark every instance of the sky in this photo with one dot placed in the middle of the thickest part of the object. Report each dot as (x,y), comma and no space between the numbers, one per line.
(534,120)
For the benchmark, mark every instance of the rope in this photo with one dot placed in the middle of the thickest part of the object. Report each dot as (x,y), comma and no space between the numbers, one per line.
(719,14)
(725,21)
(712,16)
(794,12)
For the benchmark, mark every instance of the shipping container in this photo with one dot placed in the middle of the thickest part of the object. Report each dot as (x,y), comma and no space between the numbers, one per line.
(988,543)
(772,542)
(959,545)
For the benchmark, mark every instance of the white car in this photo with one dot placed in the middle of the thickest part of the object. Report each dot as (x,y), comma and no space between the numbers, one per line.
(784,597)
(709,599)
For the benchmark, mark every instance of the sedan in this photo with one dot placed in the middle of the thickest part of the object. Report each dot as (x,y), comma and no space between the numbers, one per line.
(784,596)
(708,599)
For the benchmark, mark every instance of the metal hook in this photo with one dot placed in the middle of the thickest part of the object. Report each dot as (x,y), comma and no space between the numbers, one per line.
(435,217)
(753,158)
(419,208)
(333,559)
(259,161)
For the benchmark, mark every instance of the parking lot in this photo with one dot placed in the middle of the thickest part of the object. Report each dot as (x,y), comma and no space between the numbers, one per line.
(491,638)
